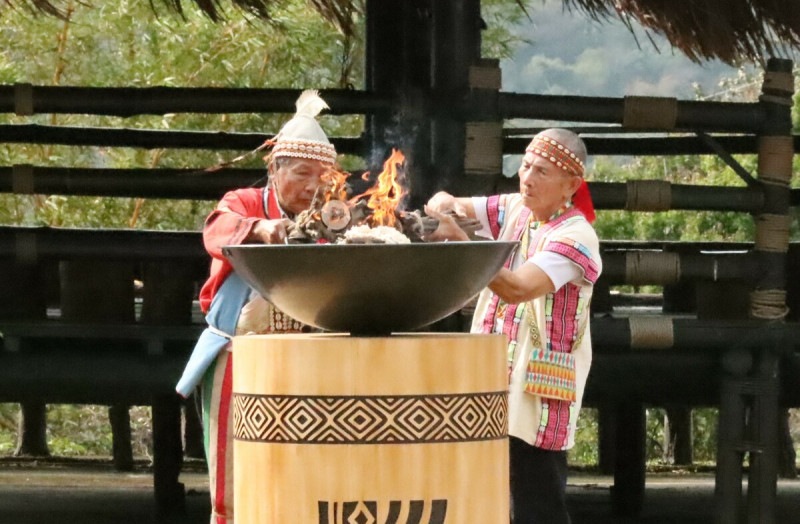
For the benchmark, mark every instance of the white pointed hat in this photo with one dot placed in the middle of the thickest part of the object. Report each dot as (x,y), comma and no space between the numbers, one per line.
(302,136)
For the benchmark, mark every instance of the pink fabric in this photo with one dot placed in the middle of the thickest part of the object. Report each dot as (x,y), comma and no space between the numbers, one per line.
(493,212)
(569,250)
(562,327)
(223,441)
(555,428)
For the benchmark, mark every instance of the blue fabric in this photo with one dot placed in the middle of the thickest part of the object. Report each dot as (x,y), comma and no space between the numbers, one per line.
(223,315)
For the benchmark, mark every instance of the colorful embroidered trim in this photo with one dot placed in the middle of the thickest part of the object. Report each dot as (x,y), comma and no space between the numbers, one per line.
(578,253)
(496,211)
(493,312)
(555,425)
(551,374)
(556,153)
(570,215)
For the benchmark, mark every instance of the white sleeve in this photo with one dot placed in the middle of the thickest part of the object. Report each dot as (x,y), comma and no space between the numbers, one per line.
(479,204)
(559,268)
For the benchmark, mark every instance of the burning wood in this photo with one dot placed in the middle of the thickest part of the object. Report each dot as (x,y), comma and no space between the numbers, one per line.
(337,217)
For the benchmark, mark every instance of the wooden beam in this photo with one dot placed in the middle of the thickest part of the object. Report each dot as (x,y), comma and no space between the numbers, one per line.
(144,183)
(159,100)
(148,138)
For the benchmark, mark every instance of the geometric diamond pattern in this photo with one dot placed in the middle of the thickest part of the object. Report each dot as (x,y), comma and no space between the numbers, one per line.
(400,419)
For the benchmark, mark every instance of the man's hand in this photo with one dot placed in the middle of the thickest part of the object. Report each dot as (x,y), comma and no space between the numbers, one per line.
(448,228)
(268,232)
(443,202)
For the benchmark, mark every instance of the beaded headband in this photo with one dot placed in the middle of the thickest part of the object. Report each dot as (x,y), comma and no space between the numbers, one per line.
(299,148)
(554,151)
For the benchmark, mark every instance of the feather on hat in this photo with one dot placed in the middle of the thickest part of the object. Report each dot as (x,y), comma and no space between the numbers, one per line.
(302,136)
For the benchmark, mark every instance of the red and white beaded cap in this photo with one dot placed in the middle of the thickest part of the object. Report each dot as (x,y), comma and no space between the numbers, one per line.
(302,136)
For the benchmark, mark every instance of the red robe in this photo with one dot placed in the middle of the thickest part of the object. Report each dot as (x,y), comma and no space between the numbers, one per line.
(229,224)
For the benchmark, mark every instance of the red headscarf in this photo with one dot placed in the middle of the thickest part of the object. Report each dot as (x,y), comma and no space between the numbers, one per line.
(554,151)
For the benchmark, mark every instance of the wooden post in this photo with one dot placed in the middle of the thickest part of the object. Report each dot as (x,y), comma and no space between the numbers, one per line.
(32,428)
(787,462)
(627,494)
(455,48)
(398,56)
(730,437)
(749,403)
(678,437)
(763,430)
(167,300)
(680,297)
(101,291)
(121,448)
(169,493)
(606,438)
(768,300)
(22,297)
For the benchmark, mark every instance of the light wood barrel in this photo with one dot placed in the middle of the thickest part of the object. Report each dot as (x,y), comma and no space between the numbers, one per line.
(406,429)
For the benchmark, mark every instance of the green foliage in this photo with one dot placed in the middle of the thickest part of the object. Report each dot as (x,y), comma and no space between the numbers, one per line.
(8,426)
(126,44)
(78,430)
(704,434)
(706,170)
(499,15)
(585,451)
(704,437)
(674,225)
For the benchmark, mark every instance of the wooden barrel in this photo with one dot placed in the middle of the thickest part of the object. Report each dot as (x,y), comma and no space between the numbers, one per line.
(333,429)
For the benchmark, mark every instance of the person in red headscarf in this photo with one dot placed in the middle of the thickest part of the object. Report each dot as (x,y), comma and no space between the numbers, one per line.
(540,302)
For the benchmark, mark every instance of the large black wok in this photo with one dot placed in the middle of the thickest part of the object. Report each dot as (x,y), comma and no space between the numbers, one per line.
(369,289)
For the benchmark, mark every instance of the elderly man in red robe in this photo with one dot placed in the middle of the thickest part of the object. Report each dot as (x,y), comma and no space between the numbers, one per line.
(540,302)
(300,156)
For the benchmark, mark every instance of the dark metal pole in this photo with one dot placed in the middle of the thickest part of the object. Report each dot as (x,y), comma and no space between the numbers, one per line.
(718,116)
(130,101)
(613,195)
(456,46)
(680,145)
(398,68)
(627,493)
(768,300)
(147,138)
(145,183)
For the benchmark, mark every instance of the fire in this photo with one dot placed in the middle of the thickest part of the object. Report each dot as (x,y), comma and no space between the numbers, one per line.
(386,195)
(335,185)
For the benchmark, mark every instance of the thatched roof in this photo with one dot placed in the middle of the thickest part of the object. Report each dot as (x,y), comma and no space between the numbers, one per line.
(339,12)
(729,30)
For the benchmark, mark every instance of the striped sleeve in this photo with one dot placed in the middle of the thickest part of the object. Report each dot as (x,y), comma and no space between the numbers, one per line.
(578,253)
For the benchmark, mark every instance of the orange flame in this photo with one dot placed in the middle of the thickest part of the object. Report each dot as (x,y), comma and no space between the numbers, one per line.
(386,195)
(335,185)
